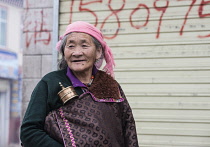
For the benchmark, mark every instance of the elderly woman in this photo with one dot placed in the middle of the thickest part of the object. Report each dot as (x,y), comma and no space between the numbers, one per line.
(79,105)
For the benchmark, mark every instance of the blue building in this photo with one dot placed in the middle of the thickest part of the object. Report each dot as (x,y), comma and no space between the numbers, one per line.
(10,71)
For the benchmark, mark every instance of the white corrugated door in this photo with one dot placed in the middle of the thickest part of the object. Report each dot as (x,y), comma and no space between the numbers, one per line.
(162,51)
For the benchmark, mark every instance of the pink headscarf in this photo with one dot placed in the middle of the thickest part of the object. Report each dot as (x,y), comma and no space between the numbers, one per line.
(84,27)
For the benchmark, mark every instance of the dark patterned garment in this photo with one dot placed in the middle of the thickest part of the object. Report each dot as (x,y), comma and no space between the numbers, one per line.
(85,122)
(88,121)
(99,116)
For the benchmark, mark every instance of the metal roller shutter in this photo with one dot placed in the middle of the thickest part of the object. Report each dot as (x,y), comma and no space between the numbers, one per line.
(162,51)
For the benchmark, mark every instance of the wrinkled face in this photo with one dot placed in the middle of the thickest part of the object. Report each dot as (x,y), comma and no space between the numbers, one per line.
(80,52)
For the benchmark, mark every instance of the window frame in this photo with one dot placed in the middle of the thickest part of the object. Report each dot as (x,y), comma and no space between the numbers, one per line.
(3,21)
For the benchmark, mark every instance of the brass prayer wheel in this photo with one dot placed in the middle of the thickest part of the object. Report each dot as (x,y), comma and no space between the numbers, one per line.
(66,93)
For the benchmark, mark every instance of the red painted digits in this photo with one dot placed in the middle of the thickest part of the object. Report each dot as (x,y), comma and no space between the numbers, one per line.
(201,15)
(81,9)
(163,9)
(136,9)
(71,11)
(114,12)
(200,10)
(186,16)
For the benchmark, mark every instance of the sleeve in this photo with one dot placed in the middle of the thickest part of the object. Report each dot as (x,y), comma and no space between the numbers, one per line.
(129,127)
(32,132)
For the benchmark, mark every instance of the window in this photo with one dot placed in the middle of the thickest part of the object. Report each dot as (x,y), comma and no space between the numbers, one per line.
(3,26)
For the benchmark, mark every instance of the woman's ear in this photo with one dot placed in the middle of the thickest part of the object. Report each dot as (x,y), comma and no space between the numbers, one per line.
(98,53)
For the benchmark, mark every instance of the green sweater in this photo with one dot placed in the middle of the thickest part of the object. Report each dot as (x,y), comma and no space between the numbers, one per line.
(43,100)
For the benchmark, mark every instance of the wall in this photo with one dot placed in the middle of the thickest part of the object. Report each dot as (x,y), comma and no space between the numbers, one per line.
(10,75)
(13,32)
(37,43)
(162,51)
(4,111)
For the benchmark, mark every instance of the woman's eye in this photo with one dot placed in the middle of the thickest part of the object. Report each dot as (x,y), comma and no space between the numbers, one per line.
(70,46)
(85,46)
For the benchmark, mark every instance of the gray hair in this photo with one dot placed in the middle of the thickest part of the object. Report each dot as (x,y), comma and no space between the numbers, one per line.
(62,64)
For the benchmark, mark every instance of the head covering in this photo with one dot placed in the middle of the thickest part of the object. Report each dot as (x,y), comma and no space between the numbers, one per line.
(84,27)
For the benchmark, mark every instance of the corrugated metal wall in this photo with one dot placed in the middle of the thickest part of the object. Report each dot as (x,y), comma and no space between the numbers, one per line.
(162,51)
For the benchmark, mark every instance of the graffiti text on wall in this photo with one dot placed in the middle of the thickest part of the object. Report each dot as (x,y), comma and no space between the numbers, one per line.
(35,26)
(83,7)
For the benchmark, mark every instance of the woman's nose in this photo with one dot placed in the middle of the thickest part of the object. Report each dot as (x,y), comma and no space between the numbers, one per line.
(77,51)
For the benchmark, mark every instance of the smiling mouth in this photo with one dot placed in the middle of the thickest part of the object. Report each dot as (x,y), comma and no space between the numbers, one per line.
(78,60)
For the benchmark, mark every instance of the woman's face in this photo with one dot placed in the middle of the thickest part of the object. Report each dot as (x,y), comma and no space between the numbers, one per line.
(80,52)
